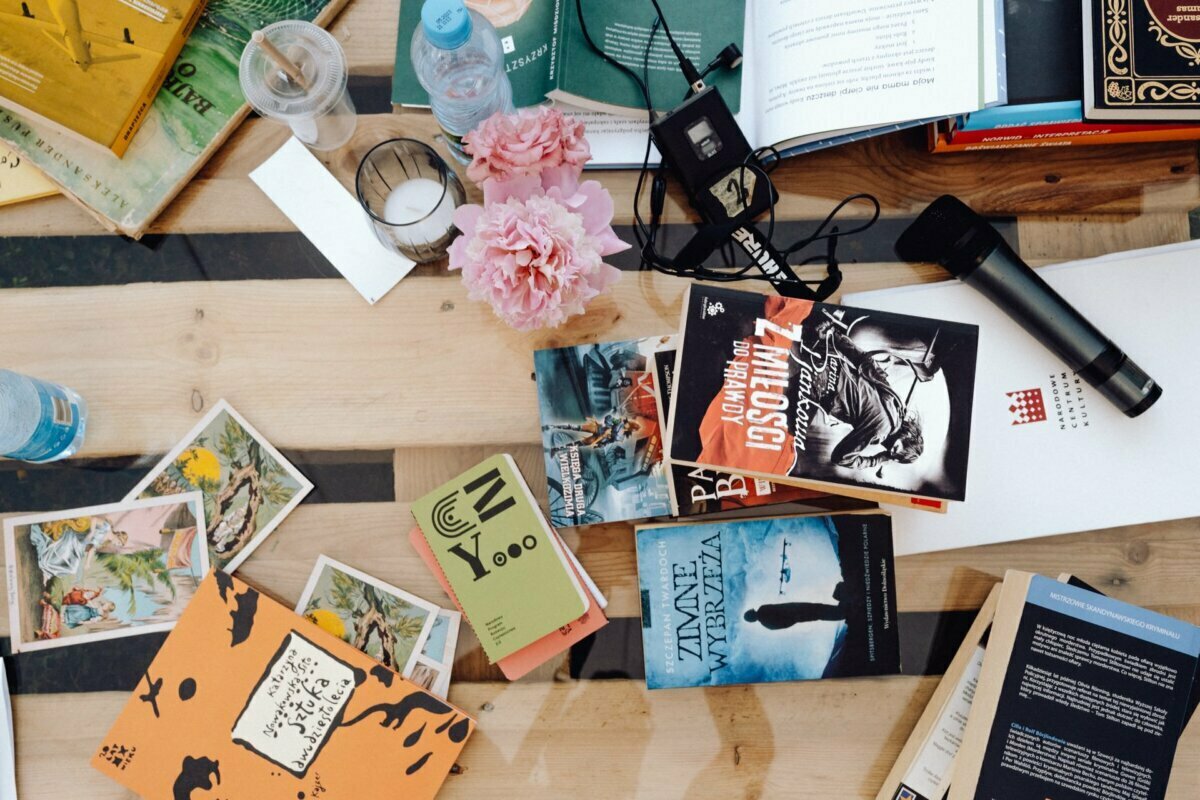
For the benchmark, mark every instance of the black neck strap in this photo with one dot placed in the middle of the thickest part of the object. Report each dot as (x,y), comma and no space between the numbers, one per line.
(766,258)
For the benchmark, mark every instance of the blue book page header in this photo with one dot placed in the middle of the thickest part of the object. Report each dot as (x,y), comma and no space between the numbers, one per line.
(1115,615)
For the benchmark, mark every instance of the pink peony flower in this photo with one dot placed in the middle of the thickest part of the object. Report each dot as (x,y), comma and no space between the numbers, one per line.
(535,249)
(525,144)
(536,255)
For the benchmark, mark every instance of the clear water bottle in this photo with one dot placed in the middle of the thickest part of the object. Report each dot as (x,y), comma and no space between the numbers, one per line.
(459,60)
(39,421)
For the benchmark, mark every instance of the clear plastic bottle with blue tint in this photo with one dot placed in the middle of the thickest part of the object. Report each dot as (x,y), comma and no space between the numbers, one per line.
(459,61)
(39,421)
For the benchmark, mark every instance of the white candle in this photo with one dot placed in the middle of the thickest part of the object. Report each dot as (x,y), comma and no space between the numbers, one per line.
(421,211)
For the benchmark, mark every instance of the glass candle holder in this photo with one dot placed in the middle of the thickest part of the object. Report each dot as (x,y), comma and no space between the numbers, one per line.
(409,194)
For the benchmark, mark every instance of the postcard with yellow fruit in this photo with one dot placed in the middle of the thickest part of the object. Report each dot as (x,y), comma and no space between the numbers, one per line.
(388,624)
(248,486)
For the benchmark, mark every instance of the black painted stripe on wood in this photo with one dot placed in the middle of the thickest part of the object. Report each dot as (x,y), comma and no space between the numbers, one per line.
(928,642)
(47,261)
(113,665)
(339,476)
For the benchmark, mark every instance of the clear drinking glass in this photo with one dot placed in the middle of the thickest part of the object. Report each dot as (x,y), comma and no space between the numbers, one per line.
(409,194)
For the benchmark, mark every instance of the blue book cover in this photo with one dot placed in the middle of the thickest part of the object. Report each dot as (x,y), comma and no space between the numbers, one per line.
(763,600)
(601,436)
(1062,112)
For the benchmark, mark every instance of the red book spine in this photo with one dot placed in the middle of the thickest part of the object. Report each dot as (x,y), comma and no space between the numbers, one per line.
(1069,130)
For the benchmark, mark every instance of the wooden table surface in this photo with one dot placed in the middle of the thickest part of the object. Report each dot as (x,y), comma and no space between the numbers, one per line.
(437,383)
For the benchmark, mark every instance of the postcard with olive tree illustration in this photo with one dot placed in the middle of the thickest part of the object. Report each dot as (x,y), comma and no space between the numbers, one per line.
(388,624)
(103,572)
(248,486)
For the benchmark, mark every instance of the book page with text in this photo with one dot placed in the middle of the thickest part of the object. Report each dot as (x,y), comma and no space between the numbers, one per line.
(847,64)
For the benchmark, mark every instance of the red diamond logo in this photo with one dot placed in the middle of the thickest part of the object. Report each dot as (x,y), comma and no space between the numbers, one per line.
(1027,406)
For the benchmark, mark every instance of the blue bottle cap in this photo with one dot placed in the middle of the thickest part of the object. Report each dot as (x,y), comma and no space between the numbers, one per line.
(446,22)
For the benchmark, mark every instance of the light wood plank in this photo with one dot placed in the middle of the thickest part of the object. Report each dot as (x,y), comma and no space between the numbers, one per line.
(1152,177)
(1070,236)
(310,363)
(603,740)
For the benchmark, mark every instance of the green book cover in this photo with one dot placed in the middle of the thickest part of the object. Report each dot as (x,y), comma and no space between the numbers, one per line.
(200,101)
(500,557)
(525,28)
(622,28)
(546,54)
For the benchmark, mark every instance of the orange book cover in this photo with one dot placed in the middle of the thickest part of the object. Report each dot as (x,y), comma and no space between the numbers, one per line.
(249,700)
(532,656)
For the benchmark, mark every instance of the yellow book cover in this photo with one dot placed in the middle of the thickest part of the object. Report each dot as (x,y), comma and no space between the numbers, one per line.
(91,67)
(20,180)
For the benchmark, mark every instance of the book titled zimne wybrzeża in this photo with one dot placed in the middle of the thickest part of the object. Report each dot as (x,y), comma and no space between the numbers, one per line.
(771,599)
(856,402)
(90,68)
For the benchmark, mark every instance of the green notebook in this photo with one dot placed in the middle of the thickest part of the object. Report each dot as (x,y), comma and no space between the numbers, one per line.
(500,557)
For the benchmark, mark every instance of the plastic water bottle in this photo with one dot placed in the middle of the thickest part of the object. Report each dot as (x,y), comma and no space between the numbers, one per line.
(39,421)
(459,60)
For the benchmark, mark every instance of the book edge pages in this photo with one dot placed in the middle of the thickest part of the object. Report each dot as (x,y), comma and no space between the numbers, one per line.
(1089,62)
(919,737)
(681,343)
(668,464)
(861,493)
(1010,607)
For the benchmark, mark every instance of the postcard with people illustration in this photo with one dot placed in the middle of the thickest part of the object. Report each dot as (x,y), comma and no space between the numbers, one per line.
(388,624)
(248,486)
(103,572)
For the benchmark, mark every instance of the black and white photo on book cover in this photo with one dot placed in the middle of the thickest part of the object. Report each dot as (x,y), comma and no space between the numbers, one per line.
(774,386)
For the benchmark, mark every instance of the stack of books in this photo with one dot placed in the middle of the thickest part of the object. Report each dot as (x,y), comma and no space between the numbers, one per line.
(1056,688)
(1064,90)
(813,76)
(119,104)
(759,400)
(514,580)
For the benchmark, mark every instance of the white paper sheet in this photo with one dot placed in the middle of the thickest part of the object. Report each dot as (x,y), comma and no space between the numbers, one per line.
(331,218)
(1086,465)
(8,761)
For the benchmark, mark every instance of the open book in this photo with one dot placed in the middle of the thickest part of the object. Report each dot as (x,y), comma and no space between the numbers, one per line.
(814,75)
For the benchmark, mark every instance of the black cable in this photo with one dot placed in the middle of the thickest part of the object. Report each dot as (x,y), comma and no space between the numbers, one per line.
(596,49)
(690,73)
(755,163)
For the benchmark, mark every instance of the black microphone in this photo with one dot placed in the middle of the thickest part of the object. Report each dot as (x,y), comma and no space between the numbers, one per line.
(951,234)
